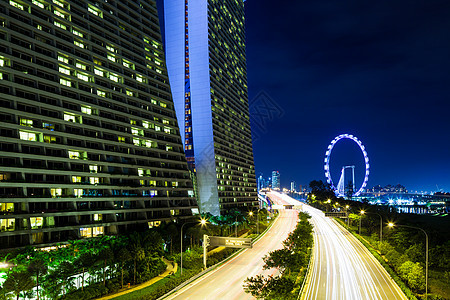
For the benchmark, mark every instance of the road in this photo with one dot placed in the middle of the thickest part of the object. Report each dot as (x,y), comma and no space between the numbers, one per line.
(226,282)
(343,268)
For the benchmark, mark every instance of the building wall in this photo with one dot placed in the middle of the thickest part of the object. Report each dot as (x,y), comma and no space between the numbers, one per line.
(218,89)
(89,140)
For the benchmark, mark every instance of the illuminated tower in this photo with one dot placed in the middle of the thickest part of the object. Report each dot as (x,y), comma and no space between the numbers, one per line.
(205,52)
(276,180)
(89,140)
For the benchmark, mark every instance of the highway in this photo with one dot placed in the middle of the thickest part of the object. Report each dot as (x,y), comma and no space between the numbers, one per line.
(342,267)
(226,282)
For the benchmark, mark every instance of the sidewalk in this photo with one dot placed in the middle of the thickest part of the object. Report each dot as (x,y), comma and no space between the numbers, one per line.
(171,269)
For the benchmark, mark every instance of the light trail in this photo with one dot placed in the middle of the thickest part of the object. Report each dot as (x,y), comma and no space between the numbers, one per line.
(343,268)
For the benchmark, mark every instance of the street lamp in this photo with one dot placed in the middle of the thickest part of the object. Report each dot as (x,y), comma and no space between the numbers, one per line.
(391,225)
(202,222)
(362,213)
(348,219)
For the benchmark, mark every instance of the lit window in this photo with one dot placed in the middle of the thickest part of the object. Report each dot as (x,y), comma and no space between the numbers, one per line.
(26,122)
(7,207)
(136,142)
(165,121)
(28,136)
(121,139)
(114,77)
(64,70)
(94,180)
(98,217)
(98,72)
(157,128)
(72,118)
(158,71)
(7,224)
(2,62)
(56,192)
(141,172)
(174,184)
(76,179)
(146,124)
(136,131)
(162,104)
(150,144)
(65,82)
(83,77)
(86,109)
(140,78)
(58,3)
(74,155)
(78,33)
(49,139)
(110,48)
(133,122)
(60,14)
(167,130)
(37,222)
(63,59)
(79,44)
(129,93)
(60,25)
(86,232)
(80,65)
(169,148)
(153,101)
(96,231)
(78,193)
(127,64)
(17,5)
(101,93)
(95,11)
(37,3)
(48,126)
(111,58)
(93,169)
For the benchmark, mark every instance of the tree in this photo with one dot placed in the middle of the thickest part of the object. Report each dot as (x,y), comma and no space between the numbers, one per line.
(137,253)
(106,254)
(84,261)
(123,256)
(37,267)
(18,282)
(413,274)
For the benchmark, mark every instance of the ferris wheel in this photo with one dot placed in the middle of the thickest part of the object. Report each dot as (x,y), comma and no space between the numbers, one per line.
(340,189)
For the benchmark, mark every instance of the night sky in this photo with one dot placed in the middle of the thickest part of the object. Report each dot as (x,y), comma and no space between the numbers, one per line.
(377,69)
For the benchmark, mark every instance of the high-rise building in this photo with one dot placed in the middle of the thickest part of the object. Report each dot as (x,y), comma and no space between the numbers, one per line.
(261,182)
(275,180)
(206,61)
(293,186)
(89,140)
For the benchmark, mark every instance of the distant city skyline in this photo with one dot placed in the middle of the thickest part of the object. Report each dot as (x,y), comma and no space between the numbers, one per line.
(377,70)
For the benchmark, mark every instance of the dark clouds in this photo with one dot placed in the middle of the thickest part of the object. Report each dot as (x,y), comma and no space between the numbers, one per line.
(379,70)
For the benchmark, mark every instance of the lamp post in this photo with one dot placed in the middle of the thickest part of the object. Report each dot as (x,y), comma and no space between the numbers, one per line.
(202,222)
(391,225)
(348,219)
(257,220)
(362,213)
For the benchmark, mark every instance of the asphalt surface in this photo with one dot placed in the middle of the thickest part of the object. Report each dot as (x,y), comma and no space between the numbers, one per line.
(226,282)
(343,268)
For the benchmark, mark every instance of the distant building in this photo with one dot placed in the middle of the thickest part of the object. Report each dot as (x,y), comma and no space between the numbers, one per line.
(293,186)
(275,180)
(262,183)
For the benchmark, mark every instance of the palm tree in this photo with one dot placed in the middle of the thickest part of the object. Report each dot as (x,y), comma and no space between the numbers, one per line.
(137,253)
(37,267)
(123,255)
(18,282)
(84,261)
(106,254)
